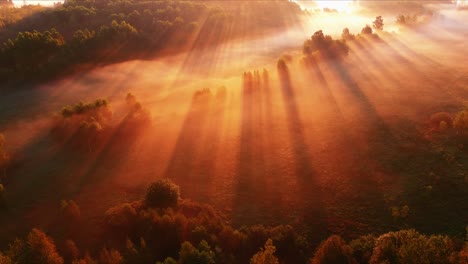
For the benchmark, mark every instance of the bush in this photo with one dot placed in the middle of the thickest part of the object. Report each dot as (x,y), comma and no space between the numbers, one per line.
(162,194)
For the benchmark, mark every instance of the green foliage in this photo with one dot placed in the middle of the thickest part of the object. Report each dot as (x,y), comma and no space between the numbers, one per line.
(203,254)
(85,108)
(334,250)
(106,31)
(266,255)
(162,194)
(29,51)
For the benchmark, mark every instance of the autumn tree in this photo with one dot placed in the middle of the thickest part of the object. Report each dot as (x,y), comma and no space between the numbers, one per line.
(203,254)
(319,42)
(162,194)
(111,256)
(334,250)
(37,248)
(265,255)
(346,35)
(409,246)
(378,23)
(367,30)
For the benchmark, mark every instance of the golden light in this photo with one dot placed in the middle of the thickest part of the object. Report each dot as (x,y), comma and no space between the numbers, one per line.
(342,6)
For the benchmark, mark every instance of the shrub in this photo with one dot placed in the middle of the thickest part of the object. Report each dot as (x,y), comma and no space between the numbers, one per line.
(162,194)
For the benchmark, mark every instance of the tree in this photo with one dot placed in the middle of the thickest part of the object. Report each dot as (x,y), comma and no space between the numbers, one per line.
(325,45)
(378,23)
(188,254)
(346,35)
(110,257)
(38,248)
(409,246)
(266,255)
(162,194)
(71,251)
(31,50)
(362,248)
(334,250)
(367,30)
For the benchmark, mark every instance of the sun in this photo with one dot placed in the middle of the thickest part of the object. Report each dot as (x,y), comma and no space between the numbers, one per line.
(342,6)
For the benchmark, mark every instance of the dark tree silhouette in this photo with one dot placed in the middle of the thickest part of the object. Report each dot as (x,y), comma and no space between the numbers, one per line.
(162,194)
(378,23)
(367,30)
(334,250)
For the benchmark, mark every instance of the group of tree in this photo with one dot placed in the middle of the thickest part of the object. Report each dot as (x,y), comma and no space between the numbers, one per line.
(89,125)
(52,40)
(325,45)
(163,228)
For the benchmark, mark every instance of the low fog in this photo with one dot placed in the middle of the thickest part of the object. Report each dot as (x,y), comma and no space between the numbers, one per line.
(244,148)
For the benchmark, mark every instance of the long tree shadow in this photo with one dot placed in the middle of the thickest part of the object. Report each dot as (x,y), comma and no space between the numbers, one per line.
(352,169)
(181,164)
(313,210)
(250,185)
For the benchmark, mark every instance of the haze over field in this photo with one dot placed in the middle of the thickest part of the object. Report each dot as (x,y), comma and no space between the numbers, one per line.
(296,123)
